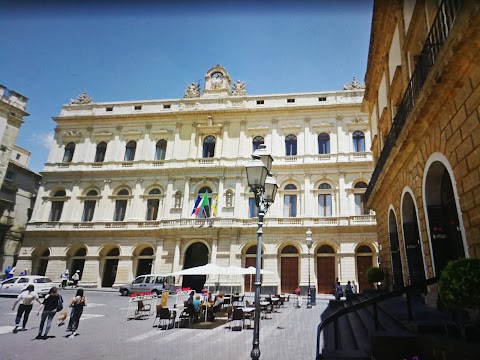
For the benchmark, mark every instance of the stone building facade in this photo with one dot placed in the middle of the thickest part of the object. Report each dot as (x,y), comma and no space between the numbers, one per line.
(122,178)
(18,184)
(423,96)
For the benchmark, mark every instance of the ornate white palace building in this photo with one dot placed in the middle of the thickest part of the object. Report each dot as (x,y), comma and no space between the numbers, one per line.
(122,178)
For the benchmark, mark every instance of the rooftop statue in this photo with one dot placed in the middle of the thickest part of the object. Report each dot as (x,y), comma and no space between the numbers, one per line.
(193,91)
(239,88)
(354,85)
(83,98)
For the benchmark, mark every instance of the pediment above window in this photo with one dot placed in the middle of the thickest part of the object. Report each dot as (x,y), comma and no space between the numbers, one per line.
(72,133)
(358,122)
(321,125)
(291,128)
(161,132)
(209,129)
(102,134)
(132,132)
(258,130)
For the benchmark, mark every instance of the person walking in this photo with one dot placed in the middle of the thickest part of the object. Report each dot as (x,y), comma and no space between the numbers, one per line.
(338,291)
(77,304)
(64,278)
(76,278)
(26,299)
(51,304)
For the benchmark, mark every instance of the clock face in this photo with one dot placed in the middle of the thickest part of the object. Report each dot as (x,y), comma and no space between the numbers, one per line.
(217,76)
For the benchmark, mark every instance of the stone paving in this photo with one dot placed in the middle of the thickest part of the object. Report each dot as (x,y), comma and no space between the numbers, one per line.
(105,334)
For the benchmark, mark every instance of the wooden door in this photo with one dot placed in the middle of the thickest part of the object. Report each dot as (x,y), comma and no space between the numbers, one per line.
(363,264)
(289,274)
(325,274)
(249,280)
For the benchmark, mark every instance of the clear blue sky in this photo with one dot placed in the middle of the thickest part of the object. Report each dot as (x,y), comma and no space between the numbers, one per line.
(116,51)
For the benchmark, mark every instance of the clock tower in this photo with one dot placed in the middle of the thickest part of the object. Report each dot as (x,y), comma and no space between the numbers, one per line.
(217,82)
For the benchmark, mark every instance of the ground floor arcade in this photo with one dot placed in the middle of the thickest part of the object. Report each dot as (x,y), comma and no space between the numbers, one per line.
(106,260)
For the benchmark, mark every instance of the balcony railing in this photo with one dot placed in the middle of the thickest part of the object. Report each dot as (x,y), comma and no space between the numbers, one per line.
(441,27)
(209,222)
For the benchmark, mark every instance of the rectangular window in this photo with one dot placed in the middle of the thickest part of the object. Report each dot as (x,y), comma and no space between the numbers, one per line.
(88,210)
(138,107)
(290,101)
(260,102)
(325,205)
(9,175)
(166,106)
(322,99)
(252,207)
(18,157)
(109,109)
(290,206)
(360,208)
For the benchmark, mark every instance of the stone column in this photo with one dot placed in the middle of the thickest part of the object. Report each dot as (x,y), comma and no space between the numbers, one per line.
(176,256)
(158,258)
(124,271)
(275,139)
(238,210)
(136,209)
(91,273)
(221,181)
(186,209)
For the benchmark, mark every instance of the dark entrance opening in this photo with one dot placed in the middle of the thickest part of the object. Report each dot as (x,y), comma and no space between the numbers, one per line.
(445,235)
(196,255)
(145,262)
(110,272)
(78,262)
(416,270)
(43,263)
(397,272)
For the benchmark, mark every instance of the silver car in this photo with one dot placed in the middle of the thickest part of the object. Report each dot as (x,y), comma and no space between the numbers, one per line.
(15,285)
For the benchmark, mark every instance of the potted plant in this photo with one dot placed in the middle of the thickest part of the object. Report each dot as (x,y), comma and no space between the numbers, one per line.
(375,275)
(459,286)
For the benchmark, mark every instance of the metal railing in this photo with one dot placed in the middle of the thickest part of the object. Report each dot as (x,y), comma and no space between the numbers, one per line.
(408,290)
(441,26)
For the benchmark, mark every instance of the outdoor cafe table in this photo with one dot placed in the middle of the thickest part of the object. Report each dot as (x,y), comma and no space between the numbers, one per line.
(248,312)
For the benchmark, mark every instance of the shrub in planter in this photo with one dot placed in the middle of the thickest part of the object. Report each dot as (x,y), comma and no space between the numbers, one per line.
(459,284)
(375,275)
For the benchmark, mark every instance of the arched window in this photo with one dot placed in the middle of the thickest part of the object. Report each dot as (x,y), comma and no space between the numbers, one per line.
(178,199)
(209,147)
(161,149)
(57,205)
(290,202)
(153,204)
(324,143)
(89,207)
(257,141)
(101,151)
(205,211)
(358,141)
(291,145)
(130,150)
(360,207)
(120,206)
(325,201)
(69,150)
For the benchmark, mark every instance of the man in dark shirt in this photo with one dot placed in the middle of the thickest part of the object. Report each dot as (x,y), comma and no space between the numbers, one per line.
(50,306)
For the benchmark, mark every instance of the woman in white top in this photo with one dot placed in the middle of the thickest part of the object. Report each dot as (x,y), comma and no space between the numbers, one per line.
(26,298)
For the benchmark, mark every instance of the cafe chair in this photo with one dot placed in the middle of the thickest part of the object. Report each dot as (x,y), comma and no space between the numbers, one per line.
(142,309)
(166,318)
(236,318)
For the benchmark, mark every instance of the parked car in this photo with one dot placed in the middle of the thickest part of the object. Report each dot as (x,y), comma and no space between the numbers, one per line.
(149,283)
(15,285)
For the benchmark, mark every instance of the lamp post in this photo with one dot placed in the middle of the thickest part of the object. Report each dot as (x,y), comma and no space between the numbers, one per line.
(309,241)
(264,187)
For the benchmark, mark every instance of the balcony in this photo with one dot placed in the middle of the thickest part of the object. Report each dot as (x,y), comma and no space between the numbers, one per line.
(210,222)
(437,36)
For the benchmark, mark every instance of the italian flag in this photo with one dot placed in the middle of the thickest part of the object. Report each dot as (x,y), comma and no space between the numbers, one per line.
(199,203)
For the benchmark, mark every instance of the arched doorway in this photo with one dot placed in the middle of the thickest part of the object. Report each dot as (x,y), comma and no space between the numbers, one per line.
(289,269)
(78,261)
(364,258)
(251,260)
(196,255)
(145,261)
(445,235)
(110,268)
(397,272)
(325,269)
(40,261)
(411,235)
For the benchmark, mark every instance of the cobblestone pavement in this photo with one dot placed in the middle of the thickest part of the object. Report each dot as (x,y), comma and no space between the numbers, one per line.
(104,333)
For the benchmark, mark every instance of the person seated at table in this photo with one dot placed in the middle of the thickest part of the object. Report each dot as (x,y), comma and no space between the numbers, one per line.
(211,298)
(190,298)
(197,302)
(217,306)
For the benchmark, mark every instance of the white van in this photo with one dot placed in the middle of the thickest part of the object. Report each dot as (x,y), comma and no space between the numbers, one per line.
(149,283)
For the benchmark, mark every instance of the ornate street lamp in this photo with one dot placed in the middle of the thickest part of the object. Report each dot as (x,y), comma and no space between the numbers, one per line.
(309,241)
(264,187)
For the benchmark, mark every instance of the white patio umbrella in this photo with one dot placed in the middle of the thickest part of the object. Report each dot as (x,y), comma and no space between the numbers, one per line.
(252,271)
